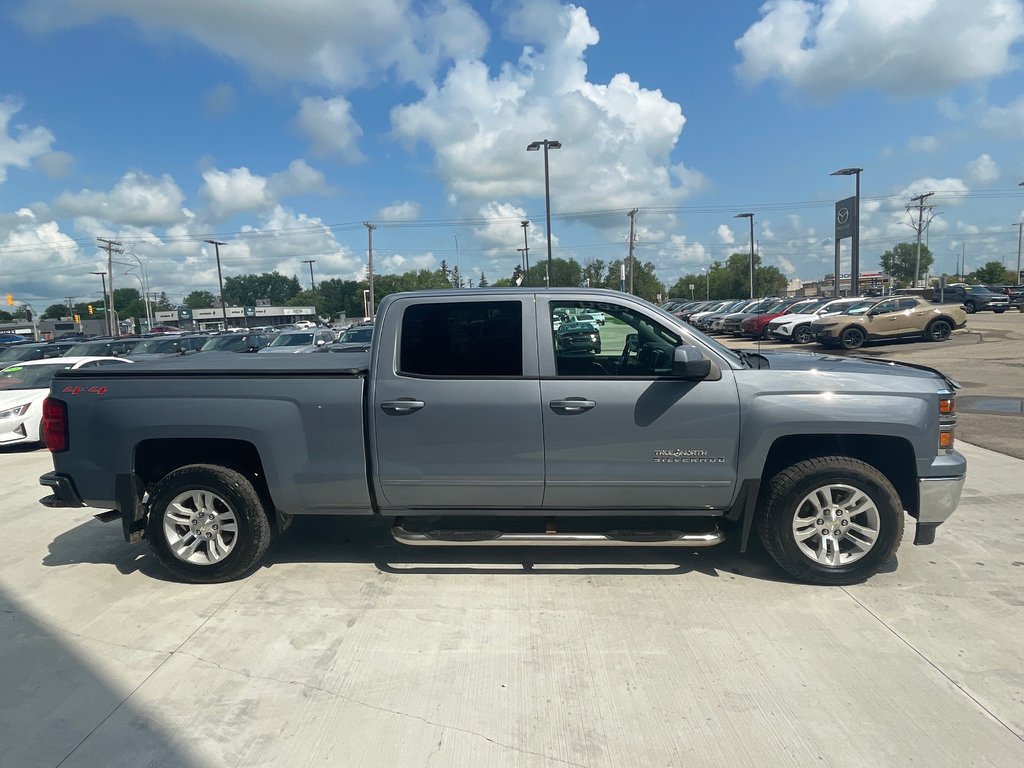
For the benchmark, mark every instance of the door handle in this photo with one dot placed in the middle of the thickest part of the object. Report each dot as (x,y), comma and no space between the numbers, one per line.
(402,405)
(572,405)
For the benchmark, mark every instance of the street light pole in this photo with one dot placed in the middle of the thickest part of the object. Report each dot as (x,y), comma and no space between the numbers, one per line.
(751,217)
(533,147)
(220,279)
(458,269)
(526,253)
(855,237)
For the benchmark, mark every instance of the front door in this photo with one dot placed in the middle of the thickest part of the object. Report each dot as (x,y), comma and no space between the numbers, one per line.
(884,320)
(619,432)
(455,405)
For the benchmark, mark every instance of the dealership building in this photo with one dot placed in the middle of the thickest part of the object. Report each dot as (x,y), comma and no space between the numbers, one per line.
(213,318)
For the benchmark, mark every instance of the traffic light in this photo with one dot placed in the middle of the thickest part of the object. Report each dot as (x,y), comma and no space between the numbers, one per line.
(90,309)
(10,299)
(77,318)
(28,315)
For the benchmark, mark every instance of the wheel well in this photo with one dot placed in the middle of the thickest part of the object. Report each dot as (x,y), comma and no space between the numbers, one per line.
(892,456)
(155,458)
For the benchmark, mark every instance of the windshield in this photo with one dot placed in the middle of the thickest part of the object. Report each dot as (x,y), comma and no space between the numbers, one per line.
(228,343)
(29,376)
(156,347)
(18,353)
(293,340)
(859,308)
(357,335)
(811,308)
(89,349)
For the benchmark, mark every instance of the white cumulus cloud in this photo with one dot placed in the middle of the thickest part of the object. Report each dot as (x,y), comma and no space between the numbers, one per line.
(401,211)
(983,169)
(725,234)
(827,47)
(21,147)
(330,126)
(923,144)
(478,124)
(137,199)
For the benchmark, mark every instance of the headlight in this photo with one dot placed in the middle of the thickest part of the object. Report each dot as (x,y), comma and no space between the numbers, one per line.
(18,410)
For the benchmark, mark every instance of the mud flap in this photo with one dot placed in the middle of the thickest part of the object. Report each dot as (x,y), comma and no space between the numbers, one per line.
(129,491)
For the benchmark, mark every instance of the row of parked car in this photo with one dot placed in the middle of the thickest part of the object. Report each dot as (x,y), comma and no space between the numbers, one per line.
(298,340)
(847,322)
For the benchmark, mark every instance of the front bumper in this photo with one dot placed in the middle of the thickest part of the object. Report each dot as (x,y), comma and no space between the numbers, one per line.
(938,498)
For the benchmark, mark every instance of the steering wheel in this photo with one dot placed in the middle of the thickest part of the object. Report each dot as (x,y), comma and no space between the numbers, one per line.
(632,341)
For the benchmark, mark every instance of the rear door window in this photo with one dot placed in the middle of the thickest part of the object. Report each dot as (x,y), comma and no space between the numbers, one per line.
(462,339)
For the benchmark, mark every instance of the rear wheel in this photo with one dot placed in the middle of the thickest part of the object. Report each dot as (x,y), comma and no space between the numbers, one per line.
(938,330)
(852,338)
(207,524)
(833,520)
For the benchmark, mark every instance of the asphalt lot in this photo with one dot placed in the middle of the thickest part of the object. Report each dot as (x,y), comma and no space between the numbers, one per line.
(349,649)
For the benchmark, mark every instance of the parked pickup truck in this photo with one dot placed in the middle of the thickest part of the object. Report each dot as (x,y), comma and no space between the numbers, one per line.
(466,424)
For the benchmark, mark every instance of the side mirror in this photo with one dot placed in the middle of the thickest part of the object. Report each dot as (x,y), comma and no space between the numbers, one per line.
(689,364)
(320,342)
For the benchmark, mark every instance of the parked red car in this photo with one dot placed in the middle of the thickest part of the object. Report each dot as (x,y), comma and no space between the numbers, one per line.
(754,327)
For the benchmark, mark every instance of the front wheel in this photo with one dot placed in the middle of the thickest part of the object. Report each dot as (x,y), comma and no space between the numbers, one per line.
(207,524)
(970,307)
(834,520)
(803,334)
(852,338)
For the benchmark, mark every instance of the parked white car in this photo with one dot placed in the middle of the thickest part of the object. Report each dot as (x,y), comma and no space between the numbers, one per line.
(24,386)
(797,327)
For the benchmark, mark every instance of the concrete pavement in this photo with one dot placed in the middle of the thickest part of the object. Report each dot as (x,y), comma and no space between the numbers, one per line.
(348,649)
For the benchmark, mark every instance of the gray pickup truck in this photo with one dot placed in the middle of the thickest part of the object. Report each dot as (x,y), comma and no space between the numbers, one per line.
(466,424)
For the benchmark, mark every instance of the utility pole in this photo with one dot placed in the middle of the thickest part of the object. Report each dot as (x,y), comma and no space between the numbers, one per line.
(1020,234)
(111,247)
(920,226)
(220,280)
(632,238)
(369,232)
(71,304)
(312,282)
(526,253)
(963,262)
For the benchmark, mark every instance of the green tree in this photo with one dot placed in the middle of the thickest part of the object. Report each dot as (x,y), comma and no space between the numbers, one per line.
(5,316)
(993,273)
(56,311)
(483,281)
(248,290)
(199,300)
(900,262)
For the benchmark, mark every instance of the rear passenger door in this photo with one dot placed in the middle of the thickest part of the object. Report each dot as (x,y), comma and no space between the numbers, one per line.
(455,405)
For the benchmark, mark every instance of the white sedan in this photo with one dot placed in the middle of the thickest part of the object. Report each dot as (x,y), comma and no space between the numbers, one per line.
(24,386)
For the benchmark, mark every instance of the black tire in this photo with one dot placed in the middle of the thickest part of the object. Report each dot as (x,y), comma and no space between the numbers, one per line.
(938,330)
(999,311)
(970,307)
(803,334)
(852,338)
(787,492)
(234,492)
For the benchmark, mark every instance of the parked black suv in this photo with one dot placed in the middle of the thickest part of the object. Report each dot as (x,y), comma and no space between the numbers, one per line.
(975,298)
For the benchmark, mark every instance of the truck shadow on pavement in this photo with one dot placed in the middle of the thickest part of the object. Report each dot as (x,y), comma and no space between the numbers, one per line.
(329,540)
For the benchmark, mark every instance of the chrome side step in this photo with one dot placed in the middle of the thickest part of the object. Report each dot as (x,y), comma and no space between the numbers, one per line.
(488,538)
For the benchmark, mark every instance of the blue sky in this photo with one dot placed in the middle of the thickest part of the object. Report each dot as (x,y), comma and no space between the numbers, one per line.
(281,126)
